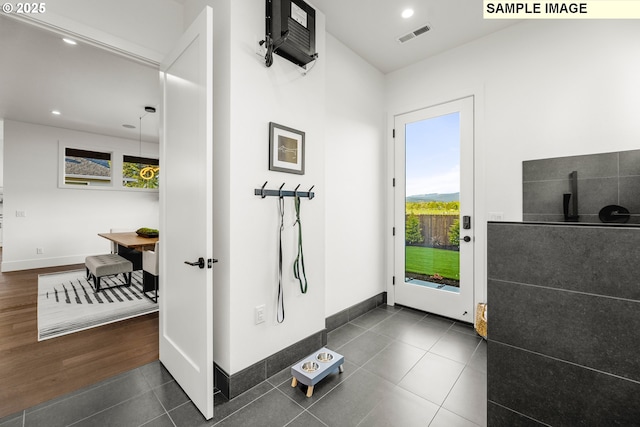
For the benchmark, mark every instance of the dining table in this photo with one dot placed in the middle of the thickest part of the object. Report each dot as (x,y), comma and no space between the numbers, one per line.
(131,240)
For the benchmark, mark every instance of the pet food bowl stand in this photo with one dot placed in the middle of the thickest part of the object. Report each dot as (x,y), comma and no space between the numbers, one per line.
(315,367)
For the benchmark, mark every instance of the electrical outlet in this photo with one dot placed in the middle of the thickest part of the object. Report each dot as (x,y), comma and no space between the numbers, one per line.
(496,216)
(259,314)
(39,251)
(21,214)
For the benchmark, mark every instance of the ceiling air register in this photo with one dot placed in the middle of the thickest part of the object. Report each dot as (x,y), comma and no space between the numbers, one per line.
(290,31)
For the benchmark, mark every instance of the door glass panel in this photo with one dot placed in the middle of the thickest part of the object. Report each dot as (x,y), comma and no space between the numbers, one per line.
(432,203)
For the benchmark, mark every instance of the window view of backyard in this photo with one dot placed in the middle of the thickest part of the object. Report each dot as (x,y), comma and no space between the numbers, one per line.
(140,172)
(432,203)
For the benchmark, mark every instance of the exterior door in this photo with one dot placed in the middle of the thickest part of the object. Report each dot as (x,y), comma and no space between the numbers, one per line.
(186,145)
(434,231)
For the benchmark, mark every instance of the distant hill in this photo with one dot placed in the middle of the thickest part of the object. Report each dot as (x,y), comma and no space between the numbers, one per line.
(434,197)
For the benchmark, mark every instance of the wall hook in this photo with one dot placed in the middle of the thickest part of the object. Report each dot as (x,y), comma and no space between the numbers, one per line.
(264,192)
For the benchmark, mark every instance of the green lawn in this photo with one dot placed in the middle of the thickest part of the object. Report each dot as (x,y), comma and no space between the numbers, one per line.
(430,260)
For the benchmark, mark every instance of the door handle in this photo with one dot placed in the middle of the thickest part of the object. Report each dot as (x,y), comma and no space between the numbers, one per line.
(199,263)
(466,238)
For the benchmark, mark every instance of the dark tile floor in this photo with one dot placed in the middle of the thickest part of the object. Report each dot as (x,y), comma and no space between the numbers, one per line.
(402,368)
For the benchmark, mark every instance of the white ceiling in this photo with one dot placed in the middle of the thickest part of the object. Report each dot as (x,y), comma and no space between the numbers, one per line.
(95,90)
(371,27)
(99,91)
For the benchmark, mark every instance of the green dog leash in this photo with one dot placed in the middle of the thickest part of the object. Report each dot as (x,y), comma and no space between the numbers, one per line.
(299,262)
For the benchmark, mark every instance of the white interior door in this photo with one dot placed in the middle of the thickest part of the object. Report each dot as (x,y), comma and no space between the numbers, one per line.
(186,146)
(434,202)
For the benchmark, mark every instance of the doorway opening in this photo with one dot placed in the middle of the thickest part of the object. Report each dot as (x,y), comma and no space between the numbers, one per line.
(433,204)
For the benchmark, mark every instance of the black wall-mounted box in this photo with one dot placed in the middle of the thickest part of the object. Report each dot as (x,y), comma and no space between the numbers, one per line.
(294,20)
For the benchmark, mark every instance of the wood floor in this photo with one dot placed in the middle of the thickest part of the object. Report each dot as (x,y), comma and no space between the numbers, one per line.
(33,372)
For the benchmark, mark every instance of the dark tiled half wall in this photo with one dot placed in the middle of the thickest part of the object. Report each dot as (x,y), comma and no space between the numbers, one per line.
(603,179)
(564,323)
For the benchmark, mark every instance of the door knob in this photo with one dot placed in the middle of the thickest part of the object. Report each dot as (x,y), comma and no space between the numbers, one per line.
(466,238)
(199,263)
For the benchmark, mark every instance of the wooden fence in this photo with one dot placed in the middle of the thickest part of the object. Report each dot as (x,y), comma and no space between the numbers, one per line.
(435,229)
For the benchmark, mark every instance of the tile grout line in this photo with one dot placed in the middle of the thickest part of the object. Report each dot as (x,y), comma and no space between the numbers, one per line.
(377,323)
(393,340)
(359,335)
(163,407)
(80,392)
(568,362)
(440,406)
(110,407)
(333,388)
(454,384)
(519,413)
(447,396)
(364,369)
(571,291)
(249,403)
(435,415)
(303,408)
(316,417)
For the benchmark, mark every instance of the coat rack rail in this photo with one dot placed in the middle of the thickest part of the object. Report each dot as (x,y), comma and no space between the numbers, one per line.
(263,192)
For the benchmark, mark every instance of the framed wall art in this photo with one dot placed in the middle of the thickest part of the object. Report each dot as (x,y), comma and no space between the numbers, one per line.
(286,149)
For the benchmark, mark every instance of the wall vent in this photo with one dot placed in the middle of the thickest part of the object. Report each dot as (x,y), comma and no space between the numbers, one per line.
(413,34)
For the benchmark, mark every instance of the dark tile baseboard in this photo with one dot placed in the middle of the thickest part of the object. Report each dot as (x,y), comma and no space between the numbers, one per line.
(348,314)
(234,385)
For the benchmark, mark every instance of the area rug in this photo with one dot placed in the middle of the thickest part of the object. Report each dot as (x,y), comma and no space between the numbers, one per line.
(67,302)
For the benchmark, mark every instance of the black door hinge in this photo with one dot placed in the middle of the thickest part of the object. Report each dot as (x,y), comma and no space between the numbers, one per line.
(394,280)
(394,182)
(394,133)
(394,231)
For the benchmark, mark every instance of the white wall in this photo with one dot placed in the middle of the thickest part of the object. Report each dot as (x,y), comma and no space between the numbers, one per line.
(543,89)
(1,155)
(339,106)
(246,229)
(355,180)
(283,95)
(62,221)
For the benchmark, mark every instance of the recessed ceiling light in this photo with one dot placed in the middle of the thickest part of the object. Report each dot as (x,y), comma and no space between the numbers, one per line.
(55,112)
(128,126)
(407,13)
(69,41)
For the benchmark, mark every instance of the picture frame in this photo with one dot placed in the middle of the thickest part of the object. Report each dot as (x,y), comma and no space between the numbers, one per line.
(286,149)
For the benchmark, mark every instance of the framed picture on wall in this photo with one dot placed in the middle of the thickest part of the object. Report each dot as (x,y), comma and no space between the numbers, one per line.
(286,149)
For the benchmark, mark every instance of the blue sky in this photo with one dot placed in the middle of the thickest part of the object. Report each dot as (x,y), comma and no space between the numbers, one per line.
(433,155)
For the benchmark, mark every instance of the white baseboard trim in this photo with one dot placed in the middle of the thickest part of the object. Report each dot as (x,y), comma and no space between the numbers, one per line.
(30,264)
